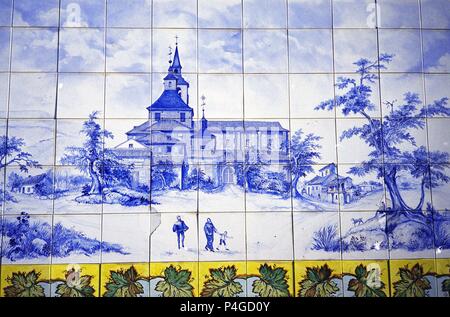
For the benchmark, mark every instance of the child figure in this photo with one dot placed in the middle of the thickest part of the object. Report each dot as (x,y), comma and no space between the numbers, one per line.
(223,240)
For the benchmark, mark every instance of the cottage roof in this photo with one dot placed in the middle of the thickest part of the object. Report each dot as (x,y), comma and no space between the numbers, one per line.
(33,180)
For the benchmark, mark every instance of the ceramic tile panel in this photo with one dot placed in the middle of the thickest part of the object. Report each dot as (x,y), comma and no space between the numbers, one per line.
(282,148)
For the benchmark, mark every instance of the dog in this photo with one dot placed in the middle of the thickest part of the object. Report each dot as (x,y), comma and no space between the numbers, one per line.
(357,221)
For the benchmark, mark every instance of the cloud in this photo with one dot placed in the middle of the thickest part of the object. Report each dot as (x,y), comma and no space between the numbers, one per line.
(436,46)
(127,96)
(224,95)
(310,51)
(220,51)
(265,13)
(265,51)
(36,13)
(351,45)
(128,50)
(442,65)
(130,13)
(309,13)
(266,96)
(406,46)
(435,14)
(82,50)
(32,96)
(34,50)
(174,13)
(354,13)
(219,13)
(80,94)
(309,90)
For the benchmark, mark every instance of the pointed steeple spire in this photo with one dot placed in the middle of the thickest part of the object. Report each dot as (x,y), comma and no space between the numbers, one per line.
(176,64)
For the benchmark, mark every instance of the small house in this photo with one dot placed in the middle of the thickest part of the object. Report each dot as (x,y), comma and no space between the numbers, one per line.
(29,184)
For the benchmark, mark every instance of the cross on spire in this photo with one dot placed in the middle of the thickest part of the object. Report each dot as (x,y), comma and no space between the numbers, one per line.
(176,40)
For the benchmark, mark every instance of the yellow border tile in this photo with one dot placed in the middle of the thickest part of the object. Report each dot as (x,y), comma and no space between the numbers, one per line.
(443,272)
(7,270)
(253,270)
(204,273)
(58,273)
(429,266)
(143,270)
(348,267)
(157,270)
(300,270)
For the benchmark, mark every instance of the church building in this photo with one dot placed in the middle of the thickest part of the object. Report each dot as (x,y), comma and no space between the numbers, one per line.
(172,134)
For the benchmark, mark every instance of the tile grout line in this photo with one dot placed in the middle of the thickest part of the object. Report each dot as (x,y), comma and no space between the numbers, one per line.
(3,214)
(291,189)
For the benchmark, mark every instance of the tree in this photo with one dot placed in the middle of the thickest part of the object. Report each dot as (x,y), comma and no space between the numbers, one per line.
(15,181)
(11,153)
(45,186)
(163,175)
(101,165)
(385,137)
(304,151)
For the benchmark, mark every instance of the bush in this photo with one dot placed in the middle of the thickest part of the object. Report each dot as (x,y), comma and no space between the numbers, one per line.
(326,239)
(25,239)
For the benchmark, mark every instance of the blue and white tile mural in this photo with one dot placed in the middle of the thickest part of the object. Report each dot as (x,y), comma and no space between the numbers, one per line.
(169,138)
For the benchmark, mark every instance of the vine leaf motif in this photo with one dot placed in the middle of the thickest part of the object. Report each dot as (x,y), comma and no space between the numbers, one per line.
(75,285)
(272,282)
(318,283)
(24,285)
(362,285)
(175,283)
(412,283)
(222,283)
(124,284)
(446,286)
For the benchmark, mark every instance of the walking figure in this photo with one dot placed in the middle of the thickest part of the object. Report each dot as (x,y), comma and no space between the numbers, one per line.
(180,228)
(223,240)
(209,233)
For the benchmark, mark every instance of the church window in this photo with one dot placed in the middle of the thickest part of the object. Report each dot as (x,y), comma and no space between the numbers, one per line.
(130,146)
(182,117)
(169,149)
(157,116)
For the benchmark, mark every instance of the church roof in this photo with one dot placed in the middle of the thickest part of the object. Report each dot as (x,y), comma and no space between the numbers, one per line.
(140,128)
(247,124)
(170,76)
(181,80)
(169,100)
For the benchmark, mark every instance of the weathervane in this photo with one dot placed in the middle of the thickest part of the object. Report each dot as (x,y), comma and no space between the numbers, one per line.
(170,54)
(203,104)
